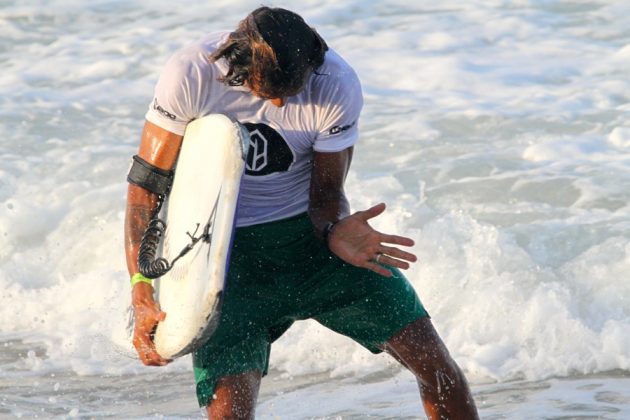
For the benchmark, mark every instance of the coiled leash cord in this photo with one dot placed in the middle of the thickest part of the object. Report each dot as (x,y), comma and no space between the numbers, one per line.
(152,266)
(148,264)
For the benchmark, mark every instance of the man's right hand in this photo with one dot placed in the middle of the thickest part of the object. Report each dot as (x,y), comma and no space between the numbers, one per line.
(147,314)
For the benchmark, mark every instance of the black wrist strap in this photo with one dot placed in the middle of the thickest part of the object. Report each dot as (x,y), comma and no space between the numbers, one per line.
(326,232)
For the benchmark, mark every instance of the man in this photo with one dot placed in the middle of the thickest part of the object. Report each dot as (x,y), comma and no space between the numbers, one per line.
(298,252)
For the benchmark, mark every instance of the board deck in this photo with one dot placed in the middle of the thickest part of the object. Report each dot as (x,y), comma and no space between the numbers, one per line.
(203,199)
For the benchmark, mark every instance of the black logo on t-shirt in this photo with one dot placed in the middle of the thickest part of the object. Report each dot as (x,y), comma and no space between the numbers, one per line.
(268,151)
(161,110)
(340,128)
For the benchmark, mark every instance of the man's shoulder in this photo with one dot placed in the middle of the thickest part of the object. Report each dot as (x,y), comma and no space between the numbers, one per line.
(201,48)
(335,65)
(335,79)
(336,70)
(197,53)
(207,44)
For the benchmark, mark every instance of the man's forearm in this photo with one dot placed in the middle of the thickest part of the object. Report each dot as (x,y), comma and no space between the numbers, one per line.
(160,148)
(140,207)
(327,199)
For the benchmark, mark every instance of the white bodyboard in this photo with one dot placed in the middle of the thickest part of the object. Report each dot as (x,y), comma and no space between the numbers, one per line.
(204,195)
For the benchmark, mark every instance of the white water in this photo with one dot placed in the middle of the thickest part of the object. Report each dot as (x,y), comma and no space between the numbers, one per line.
(498,132)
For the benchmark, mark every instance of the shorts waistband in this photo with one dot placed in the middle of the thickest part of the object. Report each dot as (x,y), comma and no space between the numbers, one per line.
(275,234)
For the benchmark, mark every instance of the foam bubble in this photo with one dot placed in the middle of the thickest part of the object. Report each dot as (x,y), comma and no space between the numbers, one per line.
(620,137)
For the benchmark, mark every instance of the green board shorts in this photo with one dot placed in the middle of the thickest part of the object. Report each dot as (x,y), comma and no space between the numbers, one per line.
(279,273)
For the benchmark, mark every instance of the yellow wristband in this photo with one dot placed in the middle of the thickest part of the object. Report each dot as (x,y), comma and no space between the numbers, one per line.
(139,278)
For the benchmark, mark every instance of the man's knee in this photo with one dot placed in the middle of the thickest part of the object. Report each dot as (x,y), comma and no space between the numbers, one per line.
(419,347)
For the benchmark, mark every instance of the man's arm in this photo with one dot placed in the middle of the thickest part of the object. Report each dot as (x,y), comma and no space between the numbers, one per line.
(327,200)
(160,148)
(352,239)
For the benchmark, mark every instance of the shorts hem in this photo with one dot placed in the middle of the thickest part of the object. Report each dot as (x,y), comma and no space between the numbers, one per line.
(378,346)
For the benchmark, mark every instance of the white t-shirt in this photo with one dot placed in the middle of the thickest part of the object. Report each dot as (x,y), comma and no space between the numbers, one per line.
(323,117)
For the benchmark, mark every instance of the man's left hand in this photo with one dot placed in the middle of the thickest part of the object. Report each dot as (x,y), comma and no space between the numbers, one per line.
(353,240)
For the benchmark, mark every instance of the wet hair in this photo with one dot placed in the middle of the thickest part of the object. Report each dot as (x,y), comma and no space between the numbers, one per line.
(273,51)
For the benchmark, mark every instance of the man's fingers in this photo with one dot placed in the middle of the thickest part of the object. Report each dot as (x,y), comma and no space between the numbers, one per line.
(143,342)
(389,251)
(377,269)
(397,240)
(154,359)
(393,262)
(373,211)
(148,354)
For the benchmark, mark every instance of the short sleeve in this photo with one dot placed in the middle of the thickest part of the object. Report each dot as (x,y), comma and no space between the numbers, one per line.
(341,104)
(177,95)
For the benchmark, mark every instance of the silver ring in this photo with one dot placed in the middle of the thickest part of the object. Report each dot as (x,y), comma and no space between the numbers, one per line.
(378,257)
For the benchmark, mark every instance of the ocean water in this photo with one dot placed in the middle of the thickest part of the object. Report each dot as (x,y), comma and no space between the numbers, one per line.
(498,133)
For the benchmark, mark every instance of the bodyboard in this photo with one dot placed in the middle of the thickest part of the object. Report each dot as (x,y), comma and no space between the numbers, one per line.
(202,202)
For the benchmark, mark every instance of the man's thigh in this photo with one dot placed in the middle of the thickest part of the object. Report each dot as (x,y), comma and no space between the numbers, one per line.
(368,307)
